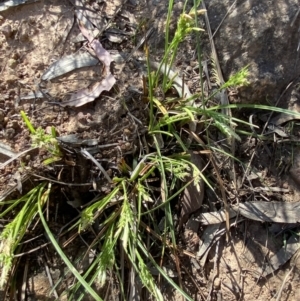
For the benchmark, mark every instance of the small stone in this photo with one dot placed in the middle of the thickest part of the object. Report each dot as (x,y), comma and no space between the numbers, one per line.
(189,69)
(48,130)
(217,283)
(7,31)
(9,133)
(48,118)
(11,79)
(14,124)
(12,63)
(15,55)
(24,37)
(31,20)
(285,185)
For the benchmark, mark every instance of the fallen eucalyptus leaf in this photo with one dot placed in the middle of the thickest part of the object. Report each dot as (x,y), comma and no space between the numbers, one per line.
(87,95)
(278,212)
(282,256)
(68,64)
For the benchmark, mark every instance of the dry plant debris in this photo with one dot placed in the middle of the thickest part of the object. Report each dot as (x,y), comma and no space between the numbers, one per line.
(98,139)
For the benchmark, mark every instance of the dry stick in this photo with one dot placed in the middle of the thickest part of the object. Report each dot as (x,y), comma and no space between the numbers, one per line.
(224,101)
(224,96)
(176,260)
(193,280)
(295,18)
(32,250)
(50,278)
(24,281)
(215,269)
(226,207)
(68,36)
(17,156)
(60,182)
(278,298)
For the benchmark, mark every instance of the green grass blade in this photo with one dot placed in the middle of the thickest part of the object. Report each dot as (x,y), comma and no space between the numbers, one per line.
(27,122)
(62,255)
(163,273)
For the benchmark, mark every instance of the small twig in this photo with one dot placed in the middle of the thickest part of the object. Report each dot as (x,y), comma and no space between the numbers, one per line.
(295,17)
(33,250)
(215,269)
(50,278)
(278,298)
(17,156)
(226,207)
(59,182)
(193,280)
(24,281)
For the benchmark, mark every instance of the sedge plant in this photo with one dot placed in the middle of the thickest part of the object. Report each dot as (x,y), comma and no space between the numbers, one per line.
(24,211)
(123,231)
(129,242)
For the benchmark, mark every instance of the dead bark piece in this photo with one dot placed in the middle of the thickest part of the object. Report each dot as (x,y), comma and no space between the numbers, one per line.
(193,194)
(277,212)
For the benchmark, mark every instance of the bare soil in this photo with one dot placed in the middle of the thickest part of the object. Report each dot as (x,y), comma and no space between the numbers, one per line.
(32,37)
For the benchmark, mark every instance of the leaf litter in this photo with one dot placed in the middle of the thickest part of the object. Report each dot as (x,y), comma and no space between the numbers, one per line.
(71,62)
(259,211)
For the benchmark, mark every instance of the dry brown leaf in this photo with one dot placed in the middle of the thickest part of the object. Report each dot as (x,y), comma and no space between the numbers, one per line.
(278,212)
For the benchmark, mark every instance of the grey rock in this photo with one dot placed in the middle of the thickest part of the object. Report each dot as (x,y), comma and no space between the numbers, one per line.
(263,34)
